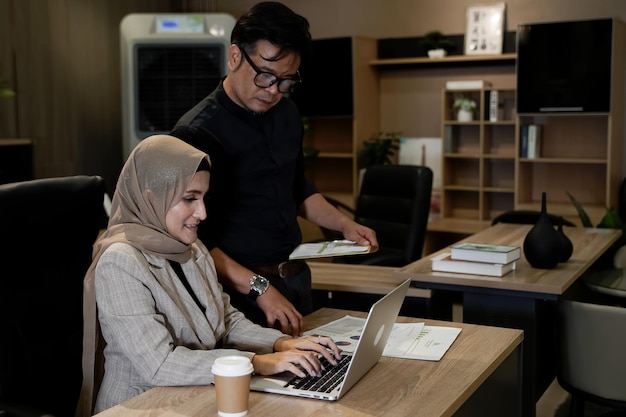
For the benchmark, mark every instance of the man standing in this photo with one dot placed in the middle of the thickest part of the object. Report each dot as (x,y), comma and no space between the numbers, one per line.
(253,134)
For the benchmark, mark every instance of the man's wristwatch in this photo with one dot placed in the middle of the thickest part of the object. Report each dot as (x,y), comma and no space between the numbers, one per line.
(258,285)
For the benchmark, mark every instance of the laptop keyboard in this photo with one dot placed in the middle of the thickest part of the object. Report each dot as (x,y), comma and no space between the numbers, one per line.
(332,375)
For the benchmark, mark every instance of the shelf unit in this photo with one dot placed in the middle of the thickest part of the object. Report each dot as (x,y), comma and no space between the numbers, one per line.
(482,172)
(338,137)
(450,60)
(479,157)
(580,154)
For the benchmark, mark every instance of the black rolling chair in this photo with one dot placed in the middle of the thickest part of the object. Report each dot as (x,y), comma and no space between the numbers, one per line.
(527,217)
(394,200)
(48,227)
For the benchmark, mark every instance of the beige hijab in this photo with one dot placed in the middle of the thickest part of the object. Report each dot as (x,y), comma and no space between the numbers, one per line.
(153,179)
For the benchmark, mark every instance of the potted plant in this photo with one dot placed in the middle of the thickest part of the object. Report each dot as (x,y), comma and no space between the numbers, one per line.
(610,220)
(379,149)
(5,91)
(436,44)
(464,107)
(310,153)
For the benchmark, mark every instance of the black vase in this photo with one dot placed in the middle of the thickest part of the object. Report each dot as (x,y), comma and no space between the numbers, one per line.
(542,244)
(566,245)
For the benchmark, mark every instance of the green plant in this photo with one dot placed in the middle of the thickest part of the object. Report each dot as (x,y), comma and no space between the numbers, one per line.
(306,125)
(5,91)
(310,153)
(436,40)
(464,103)
(379,149)
(610,220)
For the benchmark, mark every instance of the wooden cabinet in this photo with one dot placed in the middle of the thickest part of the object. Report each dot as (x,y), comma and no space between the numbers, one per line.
(579,104)
(484,173)
(580,154)
(479,157)
(338,125)
(16,160)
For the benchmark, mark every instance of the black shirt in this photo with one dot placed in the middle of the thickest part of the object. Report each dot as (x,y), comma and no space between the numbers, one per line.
(257,177)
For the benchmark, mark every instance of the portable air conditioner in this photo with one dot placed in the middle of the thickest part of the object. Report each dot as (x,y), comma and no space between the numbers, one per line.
(169,63)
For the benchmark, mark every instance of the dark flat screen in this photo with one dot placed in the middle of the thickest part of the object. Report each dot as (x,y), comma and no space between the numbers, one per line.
(327,88)
(171,79)
(564,66)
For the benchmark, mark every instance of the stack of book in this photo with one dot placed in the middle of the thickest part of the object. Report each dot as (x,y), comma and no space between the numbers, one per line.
(530,141)
(467,84)
(478,259)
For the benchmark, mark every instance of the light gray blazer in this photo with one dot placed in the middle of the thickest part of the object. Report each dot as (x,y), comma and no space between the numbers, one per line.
(156,334)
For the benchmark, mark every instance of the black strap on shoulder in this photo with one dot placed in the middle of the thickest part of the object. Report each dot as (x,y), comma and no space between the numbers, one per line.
(179,271)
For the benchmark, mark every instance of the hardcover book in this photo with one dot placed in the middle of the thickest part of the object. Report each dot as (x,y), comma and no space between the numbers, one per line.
(445,263)
(523,149)
(481,252)
(493,106)
(534,141)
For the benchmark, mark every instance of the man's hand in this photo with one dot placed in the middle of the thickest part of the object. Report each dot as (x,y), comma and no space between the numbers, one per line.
(278,310)
(319,211)
(360,234)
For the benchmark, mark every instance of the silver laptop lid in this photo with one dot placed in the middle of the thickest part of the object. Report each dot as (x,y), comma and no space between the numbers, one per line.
(376,330)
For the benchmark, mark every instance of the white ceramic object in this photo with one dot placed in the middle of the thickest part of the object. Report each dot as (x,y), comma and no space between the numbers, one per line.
(464,116)
(437,53)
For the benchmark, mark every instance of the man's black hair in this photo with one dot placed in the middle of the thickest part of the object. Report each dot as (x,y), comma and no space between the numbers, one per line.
(277,24)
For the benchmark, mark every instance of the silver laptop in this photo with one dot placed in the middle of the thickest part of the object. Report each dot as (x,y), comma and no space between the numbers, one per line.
(337,380)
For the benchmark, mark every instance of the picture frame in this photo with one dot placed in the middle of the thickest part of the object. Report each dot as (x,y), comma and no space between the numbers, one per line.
(485,29)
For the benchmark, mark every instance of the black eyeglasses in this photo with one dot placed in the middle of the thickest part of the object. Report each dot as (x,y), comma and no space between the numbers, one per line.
(264,79)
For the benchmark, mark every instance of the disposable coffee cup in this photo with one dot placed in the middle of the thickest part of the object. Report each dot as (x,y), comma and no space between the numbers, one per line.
(232,385)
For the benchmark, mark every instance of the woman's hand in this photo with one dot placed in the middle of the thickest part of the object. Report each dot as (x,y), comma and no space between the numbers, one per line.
(297,355)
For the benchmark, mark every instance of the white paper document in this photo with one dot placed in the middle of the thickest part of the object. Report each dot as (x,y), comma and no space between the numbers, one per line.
(407,340)
(430,343)
(328,248)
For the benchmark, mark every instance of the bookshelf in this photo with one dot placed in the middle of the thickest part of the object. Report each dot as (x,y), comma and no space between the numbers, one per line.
(483,174)
(580,154)
(479,157)
(340,116)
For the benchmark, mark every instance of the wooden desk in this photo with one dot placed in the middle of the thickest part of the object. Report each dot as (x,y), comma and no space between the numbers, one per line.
(363,279)
(479,375)
(441,232)
(461,226)
(523,299)
(357,287)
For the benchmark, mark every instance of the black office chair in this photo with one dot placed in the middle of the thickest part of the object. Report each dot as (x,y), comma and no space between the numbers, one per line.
(527,217)
(48,227)
(592,354)
(394,200)
(344,208)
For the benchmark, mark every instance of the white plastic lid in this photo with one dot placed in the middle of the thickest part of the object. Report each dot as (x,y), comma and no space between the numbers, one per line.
(234,365)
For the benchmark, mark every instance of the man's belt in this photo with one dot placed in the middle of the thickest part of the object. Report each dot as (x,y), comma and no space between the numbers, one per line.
(284,269)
